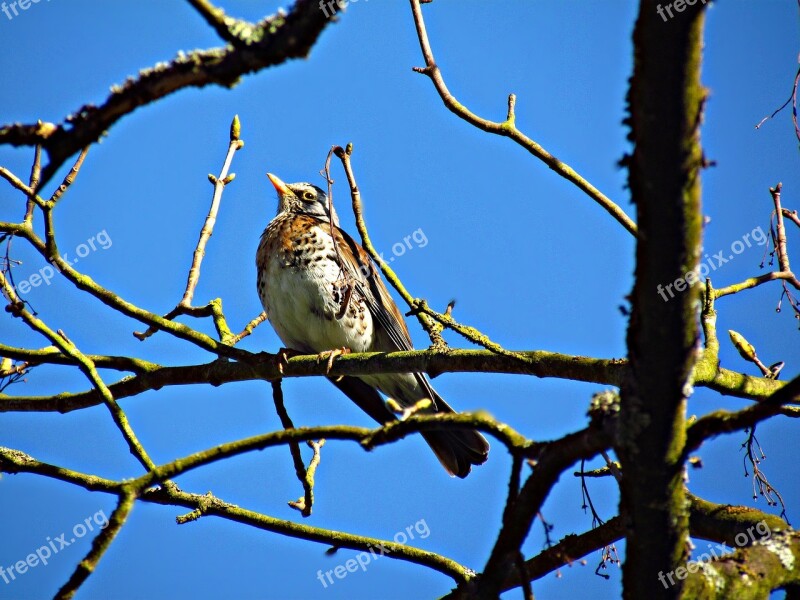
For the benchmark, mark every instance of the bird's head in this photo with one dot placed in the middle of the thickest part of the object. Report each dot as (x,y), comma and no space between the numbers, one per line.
(302,198)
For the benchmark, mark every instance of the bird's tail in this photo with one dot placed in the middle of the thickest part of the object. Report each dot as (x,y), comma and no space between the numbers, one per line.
(457,450)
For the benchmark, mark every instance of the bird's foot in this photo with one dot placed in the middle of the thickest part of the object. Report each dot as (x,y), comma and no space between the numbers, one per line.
(332,355)
(283,356)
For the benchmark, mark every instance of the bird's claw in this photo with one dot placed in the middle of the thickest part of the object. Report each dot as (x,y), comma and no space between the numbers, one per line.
(332,355)
(283,356)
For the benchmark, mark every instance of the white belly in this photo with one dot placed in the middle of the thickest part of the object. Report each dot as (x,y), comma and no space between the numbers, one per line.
(302,307)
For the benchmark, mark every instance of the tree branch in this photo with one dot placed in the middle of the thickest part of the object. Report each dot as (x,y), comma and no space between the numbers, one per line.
(86,366)
(214,308)
(665,101)
(508,128)
(274,40)
(100,544)
(549,462)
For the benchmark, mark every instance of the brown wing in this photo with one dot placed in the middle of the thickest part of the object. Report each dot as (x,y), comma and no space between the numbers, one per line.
(380,304)
(456,450)
(370,286)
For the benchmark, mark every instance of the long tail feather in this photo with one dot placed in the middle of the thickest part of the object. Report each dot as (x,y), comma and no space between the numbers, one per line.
(457,450)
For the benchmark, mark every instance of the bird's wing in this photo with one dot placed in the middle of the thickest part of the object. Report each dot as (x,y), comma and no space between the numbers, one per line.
(383,309)
(371,288)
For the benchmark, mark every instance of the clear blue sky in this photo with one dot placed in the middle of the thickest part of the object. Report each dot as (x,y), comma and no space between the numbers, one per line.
(532,262)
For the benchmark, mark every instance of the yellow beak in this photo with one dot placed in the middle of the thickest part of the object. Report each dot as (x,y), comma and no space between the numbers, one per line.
(279,185)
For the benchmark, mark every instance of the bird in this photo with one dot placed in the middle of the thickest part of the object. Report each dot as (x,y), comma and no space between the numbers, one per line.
(326,297)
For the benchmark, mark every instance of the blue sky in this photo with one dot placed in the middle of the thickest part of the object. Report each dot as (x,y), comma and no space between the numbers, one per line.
(531,261)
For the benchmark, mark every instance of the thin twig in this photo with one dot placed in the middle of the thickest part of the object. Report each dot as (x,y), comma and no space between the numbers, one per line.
(36,175)
(434,331)
(791,215)
(219,182)
(17,309)
(70,177)
(100,544)
(780,246)
(469,333)
(248,329)
(305,504)
(345,282)
(793,99)
(755,282)
(49,251)
(779,240)
(21,186)
(754,454)
(508,127)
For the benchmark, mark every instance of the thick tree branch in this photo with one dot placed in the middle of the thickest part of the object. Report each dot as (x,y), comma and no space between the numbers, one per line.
(264,366)
(272,41)
(549,462)
(723,522)
(750,573)
(665,103)
(723,421)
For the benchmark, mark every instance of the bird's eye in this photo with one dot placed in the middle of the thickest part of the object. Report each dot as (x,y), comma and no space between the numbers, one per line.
(308,196)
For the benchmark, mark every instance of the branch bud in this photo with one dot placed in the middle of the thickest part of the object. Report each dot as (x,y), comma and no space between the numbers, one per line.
(745,348)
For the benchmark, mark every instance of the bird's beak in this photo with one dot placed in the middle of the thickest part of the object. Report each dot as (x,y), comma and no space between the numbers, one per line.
(279,185)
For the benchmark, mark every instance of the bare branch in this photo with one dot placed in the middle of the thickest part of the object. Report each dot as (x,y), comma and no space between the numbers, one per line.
(49,251)
(434,331)
(550,461)
(265,366)
(36,174)
(272,41)
(248,329)
(87,367)
(185,305)
(70,177)
(306,503)
(780,242)
(508,128)
(207,505)
(100,544)
(756,281)
(568,550)
(723,421)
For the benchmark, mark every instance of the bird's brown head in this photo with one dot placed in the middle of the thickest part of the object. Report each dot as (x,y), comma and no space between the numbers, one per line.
(302,198)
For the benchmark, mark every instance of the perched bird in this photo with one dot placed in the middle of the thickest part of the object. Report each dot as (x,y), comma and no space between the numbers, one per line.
(320,296)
